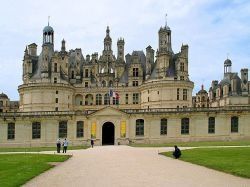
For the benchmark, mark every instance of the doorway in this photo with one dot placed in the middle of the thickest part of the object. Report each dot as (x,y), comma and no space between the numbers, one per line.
(108,134)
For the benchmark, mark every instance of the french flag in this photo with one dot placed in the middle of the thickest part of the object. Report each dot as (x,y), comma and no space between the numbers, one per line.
(114,94)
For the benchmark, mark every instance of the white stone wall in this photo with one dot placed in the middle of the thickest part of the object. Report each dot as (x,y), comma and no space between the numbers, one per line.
(198,127)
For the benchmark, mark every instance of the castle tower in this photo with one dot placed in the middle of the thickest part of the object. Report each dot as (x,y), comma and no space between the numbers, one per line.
(47,50)
(107,41)
(164,53)
(120,49)
(165,39)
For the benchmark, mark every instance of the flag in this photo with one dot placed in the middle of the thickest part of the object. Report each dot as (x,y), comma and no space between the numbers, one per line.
(116,95)
(110,93)
(113,94)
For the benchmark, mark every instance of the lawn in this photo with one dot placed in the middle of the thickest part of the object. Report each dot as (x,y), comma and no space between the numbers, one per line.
(235,160)
(196,144)
(17,169)
(37,149)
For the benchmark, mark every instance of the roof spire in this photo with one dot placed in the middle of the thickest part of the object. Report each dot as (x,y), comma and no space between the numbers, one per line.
(48,20)
(166,20)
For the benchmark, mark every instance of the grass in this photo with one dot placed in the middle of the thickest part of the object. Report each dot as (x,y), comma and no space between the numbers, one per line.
(17,169)
(235,160)
(196,144)
(37,149)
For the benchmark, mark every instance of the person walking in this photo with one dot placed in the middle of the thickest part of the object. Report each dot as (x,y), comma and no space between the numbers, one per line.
(92,143)
(177,152)
(58,145)
(65,145)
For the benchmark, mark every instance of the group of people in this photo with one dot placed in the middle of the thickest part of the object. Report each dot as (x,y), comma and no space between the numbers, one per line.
(64,144)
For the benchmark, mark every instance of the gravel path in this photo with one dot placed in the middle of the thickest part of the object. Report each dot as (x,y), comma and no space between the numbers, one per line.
(109,166)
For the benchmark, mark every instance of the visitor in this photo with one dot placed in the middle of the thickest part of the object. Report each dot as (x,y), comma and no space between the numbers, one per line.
(58,145)
(177,152)
(92,143)
(65,145)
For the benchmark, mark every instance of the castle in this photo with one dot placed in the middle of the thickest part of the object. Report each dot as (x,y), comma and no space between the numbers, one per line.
(139,97)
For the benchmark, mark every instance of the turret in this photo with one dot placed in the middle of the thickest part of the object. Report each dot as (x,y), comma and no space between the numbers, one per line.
(63,48)
(48,35)
(120,49)
(107,41)
(165,39)
(227,66)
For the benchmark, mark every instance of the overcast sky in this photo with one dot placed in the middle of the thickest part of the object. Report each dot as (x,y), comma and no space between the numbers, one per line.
(211,28)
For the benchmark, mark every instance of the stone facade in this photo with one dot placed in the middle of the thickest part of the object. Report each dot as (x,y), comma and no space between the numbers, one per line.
(66,80)
(158,126)
(119,99)
(232,90)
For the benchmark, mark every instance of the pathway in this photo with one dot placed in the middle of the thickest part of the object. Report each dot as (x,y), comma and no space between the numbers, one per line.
(125,166)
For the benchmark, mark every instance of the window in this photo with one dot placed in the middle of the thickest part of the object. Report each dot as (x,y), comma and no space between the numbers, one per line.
(182,66)
(139,129)
(203,99)
(86,73)
(135,72)
(62,129)
(56,109)
(110,83)
(106,99)
(185,126)
(55,80)
(72,74)
(234,124)
(79,129)
(11,131)
(182,78)
(56,92)
(55,67)
(164,126)
(178,93)
(126,99)
(89,99)
(184,94)
(115,100)
(86,84)
(135,98)
(211,125)
(56,100)
(98,99)
(36,130)
(135,83)
(103,83)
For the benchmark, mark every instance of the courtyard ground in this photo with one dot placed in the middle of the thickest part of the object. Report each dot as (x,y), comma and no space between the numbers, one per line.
(130,166)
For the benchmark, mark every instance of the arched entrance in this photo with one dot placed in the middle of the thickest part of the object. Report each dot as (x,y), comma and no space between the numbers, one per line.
(108,134)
